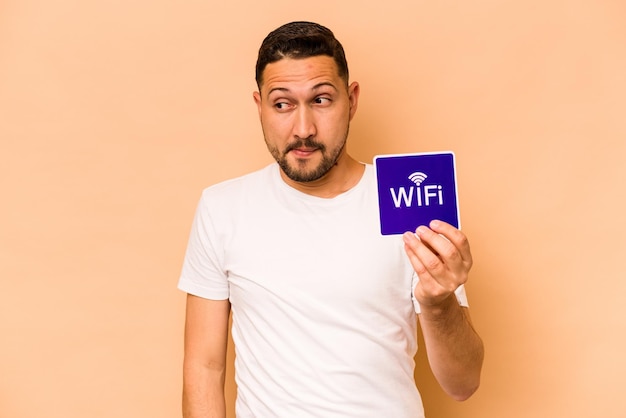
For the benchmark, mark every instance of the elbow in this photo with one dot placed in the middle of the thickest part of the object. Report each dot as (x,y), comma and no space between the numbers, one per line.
(469,382)
(464,395)
(464,392)
(462,387)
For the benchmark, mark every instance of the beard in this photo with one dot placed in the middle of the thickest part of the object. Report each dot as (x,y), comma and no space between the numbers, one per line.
(298,170)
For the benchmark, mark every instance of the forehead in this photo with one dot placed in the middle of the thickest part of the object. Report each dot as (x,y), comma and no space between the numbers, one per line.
(301,72)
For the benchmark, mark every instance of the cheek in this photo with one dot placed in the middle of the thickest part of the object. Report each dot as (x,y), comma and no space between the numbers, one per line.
(334,124)
(273,127)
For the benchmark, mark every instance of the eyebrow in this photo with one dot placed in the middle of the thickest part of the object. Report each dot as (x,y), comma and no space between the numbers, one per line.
(315,87)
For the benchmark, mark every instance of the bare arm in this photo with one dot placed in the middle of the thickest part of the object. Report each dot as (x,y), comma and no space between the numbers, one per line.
(455,351)
(206,337)
(442,259)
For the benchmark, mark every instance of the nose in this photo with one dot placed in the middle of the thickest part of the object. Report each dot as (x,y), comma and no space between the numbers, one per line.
(304,123)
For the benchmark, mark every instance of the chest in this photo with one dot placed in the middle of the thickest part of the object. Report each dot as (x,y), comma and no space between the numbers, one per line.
(334,255)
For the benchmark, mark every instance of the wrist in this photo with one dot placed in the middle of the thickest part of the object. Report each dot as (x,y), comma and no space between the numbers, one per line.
(441,310)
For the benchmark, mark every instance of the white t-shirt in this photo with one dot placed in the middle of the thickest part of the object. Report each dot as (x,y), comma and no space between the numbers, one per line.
(324,322)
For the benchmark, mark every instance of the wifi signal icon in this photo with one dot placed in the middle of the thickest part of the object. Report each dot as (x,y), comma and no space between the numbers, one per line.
(418,177)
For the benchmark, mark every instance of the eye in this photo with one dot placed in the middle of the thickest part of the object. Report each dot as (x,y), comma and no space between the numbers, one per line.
(322,100)
(281,105)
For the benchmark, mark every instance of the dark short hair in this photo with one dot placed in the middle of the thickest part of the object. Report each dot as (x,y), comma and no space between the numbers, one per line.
(300,40)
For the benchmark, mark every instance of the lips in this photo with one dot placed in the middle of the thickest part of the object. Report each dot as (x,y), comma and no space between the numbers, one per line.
(303,152)
(304,147)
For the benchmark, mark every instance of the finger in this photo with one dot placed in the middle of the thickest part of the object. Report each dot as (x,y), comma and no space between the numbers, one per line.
(430,288)
(414,259)
(411,247)
(423,259)
(455,236)
(444,248)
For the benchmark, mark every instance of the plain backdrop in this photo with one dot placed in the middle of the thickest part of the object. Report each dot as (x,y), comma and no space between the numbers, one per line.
(114,115)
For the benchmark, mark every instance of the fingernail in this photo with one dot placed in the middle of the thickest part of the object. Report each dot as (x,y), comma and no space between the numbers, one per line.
(421,230)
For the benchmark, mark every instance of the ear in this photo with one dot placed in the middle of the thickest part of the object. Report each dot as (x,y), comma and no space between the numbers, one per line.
(353,96)
(257,99)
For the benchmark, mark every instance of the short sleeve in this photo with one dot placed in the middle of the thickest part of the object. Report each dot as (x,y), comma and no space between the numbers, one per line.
(460,295)
(202,272)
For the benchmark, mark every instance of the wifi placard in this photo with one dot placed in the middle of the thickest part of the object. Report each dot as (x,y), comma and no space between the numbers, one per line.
(414,189)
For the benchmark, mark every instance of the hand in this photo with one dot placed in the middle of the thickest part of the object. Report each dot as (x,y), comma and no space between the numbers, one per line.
(441,258)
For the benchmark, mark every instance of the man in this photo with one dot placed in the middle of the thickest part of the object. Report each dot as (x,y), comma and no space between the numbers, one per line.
(323,306)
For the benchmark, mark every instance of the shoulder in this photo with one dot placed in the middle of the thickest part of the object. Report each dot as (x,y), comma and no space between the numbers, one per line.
(368,181)
(242,185)
(370,172)
(223,204)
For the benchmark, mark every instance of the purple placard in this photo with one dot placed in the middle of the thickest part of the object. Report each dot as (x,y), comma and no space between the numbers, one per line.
(414,189)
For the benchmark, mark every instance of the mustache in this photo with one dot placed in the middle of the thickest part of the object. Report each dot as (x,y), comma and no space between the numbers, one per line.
(306,143)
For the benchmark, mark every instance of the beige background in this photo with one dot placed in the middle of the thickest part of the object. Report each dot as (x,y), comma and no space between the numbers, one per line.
(115,114)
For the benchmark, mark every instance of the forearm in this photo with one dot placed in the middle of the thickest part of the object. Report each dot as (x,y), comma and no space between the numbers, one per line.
(203,391)
(455,351)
